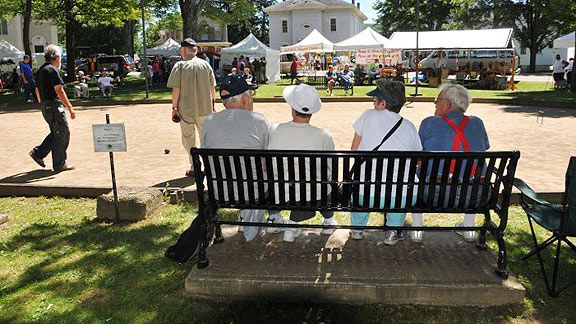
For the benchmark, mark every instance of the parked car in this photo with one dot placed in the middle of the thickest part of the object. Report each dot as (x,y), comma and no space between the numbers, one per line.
(286,61)
(499,60)
(108,61)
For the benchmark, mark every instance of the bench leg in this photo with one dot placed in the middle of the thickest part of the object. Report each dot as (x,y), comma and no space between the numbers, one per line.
(502,265)
(202,258)
(481,243)
(219,238)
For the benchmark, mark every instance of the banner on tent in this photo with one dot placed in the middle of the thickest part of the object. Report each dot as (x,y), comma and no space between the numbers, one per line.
(388,57)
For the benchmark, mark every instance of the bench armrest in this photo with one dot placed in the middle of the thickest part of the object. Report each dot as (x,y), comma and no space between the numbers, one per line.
(526,191)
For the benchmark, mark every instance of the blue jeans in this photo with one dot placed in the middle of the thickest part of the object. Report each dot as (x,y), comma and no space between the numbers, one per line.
(59,137)
(392,219)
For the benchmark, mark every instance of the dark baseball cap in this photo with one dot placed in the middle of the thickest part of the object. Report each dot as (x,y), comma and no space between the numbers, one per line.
(188,42)
(234,84)
(381,94)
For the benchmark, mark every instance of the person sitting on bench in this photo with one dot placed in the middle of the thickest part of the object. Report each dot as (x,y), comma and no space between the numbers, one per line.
(298,134)
(237,127)
(347,78)
(81,85)
(331,78)
(450,130)
(383,129)
(105,84)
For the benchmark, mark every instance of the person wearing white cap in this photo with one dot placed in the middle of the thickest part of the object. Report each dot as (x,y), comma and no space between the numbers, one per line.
(298,134)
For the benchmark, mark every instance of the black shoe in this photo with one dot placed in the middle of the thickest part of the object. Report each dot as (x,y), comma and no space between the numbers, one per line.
(37,159)
(65,167)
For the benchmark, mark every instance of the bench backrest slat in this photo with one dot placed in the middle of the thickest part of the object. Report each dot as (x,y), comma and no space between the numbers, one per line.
(387,181)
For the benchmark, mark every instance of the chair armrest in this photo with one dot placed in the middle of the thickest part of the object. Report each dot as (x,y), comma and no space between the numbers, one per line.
(526,191)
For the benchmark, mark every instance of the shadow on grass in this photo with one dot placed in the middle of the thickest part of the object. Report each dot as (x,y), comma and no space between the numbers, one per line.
(96,272)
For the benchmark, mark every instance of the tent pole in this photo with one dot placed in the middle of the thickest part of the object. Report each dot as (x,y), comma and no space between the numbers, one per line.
(573,82)
(415,94)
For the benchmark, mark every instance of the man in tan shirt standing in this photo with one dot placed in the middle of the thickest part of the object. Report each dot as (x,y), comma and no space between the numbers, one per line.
(192,82)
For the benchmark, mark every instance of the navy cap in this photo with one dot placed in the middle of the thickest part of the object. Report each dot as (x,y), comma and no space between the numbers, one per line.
(234,84)
(382,95)
(188,42)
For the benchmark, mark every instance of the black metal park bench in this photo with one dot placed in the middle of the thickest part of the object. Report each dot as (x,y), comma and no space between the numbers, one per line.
(251,179)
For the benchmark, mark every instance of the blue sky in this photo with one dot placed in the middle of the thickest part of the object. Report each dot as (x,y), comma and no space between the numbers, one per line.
(366,7)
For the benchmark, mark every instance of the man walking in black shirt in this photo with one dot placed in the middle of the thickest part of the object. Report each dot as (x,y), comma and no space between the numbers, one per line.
(53,99)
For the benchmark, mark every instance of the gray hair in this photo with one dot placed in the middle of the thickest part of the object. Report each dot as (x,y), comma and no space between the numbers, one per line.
(458,95)
(235,98)
(51,52)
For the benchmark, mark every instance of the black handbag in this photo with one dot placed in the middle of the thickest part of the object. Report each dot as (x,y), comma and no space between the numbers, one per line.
(347,187)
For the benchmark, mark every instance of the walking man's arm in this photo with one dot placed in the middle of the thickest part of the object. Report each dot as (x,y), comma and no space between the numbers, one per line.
(64,99)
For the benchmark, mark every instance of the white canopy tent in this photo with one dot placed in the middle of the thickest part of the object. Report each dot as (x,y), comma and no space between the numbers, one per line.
(366,39)
(8,50)
(169,48)
(254,48)
(453,39)
(314,42)
(565,41)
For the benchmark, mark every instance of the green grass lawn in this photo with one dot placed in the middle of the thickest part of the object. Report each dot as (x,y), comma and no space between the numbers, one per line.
(134,89)
(58,265)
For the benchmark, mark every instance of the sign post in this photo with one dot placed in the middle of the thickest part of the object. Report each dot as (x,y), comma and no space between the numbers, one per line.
(110,138)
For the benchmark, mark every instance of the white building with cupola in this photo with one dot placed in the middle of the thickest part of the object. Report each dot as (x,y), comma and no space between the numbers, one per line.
(292,20)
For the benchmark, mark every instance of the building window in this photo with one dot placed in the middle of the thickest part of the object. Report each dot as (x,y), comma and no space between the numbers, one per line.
(3,27)
(284,25)
(217,33)
(38,49)
(332,24)
(523,50)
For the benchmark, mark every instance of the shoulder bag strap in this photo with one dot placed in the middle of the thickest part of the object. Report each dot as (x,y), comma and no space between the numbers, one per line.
(359,162)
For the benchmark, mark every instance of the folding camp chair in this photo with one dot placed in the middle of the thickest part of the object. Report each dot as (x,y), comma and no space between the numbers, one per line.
(560,220)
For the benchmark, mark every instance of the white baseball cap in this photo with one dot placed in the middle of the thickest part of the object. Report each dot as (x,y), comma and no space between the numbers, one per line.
(303,98)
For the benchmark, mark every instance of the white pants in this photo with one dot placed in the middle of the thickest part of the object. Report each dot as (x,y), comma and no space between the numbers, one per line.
(189,133)
(81,90)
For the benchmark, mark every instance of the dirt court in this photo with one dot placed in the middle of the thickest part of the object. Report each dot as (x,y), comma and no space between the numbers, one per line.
(545,146)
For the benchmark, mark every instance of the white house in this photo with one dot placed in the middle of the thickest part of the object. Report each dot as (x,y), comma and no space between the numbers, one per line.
(212,34)
(544,58)
(292,20)
(42,33)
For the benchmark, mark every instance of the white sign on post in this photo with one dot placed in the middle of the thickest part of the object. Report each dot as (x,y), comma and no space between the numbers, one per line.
(109,137)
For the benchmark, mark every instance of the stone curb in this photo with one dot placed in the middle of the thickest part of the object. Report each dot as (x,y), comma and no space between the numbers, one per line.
(188,194)
(279,99)
(25,190)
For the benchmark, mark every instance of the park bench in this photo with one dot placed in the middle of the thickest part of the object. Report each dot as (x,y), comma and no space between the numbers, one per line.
(320,82)
(249,179)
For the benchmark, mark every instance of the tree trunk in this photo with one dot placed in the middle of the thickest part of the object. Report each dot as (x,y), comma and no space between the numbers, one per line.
(533,53)
(190,10)
(26,29)
(70,26)
(129,33)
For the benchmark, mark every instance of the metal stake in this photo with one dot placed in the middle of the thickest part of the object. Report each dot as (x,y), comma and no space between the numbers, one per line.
(116,208)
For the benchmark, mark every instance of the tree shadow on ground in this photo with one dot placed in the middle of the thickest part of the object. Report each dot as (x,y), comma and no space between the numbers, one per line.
(542,111)
(117,274)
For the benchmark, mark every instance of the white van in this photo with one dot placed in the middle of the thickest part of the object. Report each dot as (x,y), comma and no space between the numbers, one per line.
(286,61)
(498,60)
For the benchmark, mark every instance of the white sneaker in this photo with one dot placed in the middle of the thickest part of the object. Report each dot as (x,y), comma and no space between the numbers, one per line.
(356,235)
(469,236)
(416,236)
(291,233)
(329,221)
(275,230)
